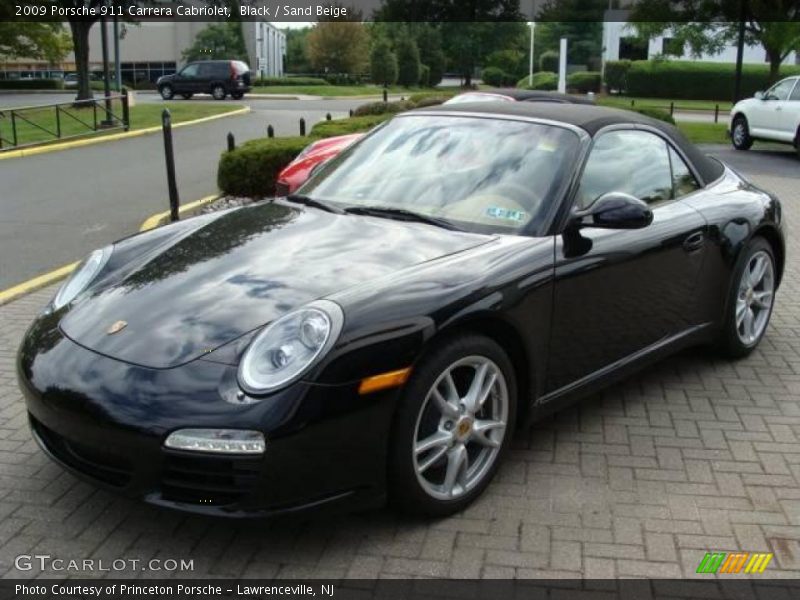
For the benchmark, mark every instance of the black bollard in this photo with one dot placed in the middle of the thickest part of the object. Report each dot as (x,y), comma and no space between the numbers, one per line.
(385,95)
(270,131)
(231,142)
(302,126)
(169,155)
(328,117)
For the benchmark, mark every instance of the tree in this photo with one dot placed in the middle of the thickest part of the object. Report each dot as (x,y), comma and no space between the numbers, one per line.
(708,26)
(407,62)
(429,42)
(28,39)
(338,47)
(383,63)
(218,41)
(469,30)
(296,54)
(580,21)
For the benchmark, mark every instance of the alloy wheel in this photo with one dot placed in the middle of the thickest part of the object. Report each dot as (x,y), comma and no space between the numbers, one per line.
(460,428)
(739,133)
(218,92)
(166,92)
(754,298)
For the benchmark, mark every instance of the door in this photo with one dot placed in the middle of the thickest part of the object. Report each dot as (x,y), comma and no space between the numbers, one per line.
(773,110)
(789,119)
(188,79)
(617,292)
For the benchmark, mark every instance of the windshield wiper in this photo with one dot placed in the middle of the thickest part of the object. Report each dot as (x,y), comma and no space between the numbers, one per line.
(308,201)
(400,214)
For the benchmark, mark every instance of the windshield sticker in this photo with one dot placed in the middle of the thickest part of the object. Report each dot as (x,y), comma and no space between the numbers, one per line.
(495,212)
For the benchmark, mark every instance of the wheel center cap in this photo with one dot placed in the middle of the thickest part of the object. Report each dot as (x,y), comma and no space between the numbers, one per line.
(463,428)
(749,296)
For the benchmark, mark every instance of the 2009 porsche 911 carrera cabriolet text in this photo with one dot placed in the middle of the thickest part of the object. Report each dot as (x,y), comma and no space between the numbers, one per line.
(379,334)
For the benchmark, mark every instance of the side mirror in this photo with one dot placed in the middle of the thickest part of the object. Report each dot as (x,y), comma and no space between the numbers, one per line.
(615,210)
(759,96)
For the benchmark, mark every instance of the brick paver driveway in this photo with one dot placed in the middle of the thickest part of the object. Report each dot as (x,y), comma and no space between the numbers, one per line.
(696,454)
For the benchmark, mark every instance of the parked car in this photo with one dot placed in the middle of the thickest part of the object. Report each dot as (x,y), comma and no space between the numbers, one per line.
(772,116)
(457,271)
(219,78)
(71,80)
(299,170)
(315,154)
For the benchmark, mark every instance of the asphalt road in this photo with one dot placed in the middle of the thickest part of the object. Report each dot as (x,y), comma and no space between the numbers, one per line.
(56,207)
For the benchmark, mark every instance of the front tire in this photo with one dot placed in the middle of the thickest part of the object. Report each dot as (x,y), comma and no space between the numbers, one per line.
(218,92)
(750,299)
(740,133)
(166,91)
(454,424)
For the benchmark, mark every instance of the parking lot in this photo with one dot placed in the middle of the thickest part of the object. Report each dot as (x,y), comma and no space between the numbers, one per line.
(691,456)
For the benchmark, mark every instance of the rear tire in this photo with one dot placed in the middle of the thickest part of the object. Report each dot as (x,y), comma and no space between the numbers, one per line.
(750,300)
(447,444)
(218,92)
(740,133)
(166,91)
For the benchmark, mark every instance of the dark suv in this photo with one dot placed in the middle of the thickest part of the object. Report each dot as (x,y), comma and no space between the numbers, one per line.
(216,77)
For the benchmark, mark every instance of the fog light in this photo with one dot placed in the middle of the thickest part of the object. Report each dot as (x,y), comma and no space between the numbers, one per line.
(225,441)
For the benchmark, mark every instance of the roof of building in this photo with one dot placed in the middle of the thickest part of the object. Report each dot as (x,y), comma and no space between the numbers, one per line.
(592,118)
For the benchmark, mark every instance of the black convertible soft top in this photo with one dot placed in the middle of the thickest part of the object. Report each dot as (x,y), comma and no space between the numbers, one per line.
(592,119)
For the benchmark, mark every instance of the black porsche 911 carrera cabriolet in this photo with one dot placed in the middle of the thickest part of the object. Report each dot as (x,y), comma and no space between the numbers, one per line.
(379,335)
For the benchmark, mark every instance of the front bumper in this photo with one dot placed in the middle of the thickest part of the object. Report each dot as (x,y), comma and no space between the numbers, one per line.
(106,421)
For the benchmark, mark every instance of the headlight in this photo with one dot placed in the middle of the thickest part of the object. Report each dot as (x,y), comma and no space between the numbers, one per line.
(82,276)
(290,346)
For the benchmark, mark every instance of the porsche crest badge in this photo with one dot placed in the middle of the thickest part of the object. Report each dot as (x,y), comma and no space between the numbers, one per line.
(117,327)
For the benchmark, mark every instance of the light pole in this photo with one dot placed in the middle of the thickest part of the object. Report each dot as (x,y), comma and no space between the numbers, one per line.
(532,25)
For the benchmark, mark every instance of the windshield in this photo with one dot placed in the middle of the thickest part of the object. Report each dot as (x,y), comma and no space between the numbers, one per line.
(480,174)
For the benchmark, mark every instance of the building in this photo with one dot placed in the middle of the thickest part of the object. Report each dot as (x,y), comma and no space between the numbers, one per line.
(620,42)
(151,49)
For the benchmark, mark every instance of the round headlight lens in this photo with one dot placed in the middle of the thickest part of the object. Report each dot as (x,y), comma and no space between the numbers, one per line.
(289,347)
(82,276)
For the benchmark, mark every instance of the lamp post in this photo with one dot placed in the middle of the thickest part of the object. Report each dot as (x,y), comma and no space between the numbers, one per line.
(532,25)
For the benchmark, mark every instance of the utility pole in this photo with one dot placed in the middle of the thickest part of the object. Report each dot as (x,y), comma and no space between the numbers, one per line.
(532,25)
(108,122)
(117,64)
(737,85)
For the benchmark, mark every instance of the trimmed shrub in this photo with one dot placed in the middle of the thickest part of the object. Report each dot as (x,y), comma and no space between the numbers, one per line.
(251,169)
(31,84)
(382,108)
(548,61)
(584,81)
(543,80)
(431,101)
(325,129)
(616,75)
(496,77)
(407,62)
(383,63)
(263,81)
(441,95)
(655,113)
(696,80)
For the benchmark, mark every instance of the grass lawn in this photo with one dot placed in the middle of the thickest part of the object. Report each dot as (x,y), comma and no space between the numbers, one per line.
(80,121)
(663,103)
(344,90)
(704,133)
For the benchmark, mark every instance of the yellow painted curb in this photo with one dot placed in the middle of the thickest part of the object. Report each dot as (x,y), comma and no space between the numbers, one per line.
(115,136)
(37,283)
(160,218)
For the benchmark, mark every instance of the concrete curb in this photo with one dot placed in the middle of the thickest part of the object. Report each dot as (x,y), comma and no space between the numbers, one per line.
(115,136)
(41,281)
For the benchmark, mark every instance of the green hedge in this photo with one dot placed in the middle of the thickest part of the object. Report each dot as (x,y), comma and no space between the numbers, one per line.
(696,80)
(497,77)
(31,84)
(584,81)
(616,75)
(655,113)
(251,169)
(543,80)
(381,108)
(263,81)
(325,129)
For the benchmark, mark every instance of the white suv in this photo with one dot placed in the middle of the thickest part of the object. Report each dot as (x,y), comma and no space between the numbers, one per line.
(773,115)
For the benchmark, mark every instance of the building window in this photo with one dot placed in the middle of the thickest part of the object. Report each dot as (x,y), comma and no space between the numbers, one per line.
(632,48)
(671,47)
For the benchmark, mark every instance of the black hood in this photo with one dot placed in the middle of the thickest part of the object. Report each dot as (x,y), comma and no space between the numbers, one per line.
(243,270)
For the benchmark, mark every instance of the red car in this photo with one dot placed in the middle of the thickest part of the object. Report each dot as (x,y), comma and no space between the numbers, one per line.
(299,170)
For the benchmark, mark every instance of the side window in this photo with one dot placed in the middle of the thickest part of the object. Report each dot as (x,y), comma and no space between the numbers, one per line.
(796,93)
(206,71)
(633,162)
(780,91)
(190,71)
(683,182)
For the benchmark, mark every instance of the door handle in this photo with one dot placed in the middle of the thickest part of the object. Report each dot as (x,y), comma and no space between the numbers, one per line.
(694,242)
